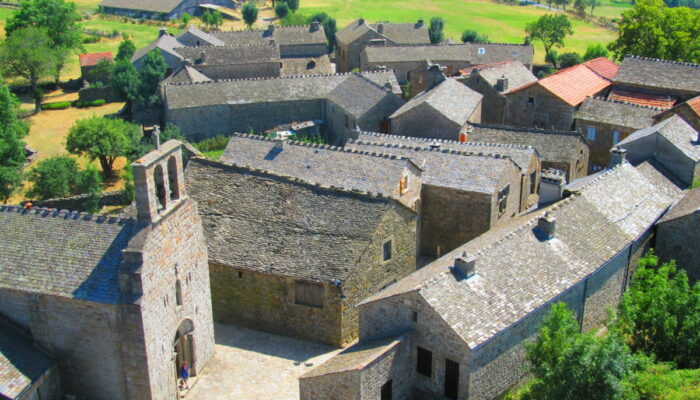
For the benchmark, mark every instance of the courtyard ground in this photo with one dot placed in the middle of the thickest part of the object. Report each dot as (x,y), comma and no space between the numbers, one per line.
(252,365)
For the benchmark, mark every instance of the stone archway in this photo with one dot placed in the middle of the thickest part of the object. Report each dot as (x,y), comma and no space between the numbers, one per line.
(184,347)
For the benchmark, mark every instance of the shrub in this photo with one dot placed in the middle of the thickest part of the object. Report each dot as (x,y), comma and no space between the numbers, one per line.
(91,39)
(212,144)
(59,105)
(93,103)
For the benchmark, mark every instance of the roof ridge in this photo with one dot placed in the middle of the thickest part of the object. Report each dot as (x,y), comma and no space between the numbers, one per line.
(689,64)
(597,179)
(528,129)
(437,150)
(65,214)
(228,45)
(269,78)
(421,139)
(627,102)
(263,30)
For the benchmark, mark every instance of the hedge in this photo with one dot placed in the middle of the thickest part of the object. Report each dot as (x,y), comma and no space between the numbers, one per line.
(59,105)
(93,103)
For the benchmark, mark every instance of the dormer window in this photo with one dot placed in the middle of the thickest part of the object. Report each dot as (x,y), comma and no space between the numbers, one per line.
(503,200)
(481,51)
(403,185)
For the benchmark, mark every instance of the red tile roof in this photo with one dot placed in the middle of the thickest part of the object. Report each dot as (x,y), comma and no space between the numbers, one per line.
(94,58)
(469,70)
(574,84)
(603,67)
(643,99)
(694,104)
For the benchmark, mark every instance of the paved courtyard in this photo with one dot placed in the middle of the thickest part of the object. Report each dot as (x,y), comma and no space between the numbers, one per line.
(252,365)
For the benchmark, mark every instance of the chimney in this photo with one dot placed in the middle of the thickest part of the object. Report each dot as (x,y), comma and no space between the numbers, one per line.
(315,26)
(162,31)
(361,21)
(552,182)
(475,71)
(279,144)
(546,225)
(463,137)
(202,58)
(380,27)
(271,29)
(420,22)
(502,84)
(435,145)
(272,42)
(156,137)
(388,85)
(466,264)
(618,156)
(435,75)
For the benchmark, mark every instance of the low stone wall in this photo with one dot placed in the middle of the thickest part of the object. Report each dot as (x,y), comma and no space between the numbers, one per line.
(92,94)
(77,203)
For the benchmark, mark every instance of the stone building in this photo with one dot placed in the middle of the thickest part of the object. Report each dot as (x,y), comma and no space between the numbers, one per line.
(485,184)
(351,40)
(298,41)
(117,304)
(563,150)
(494,81)
(677,234)
(343,103)
(160,9)
(234,62)
(455,329)
(551,102)
(299,234)
(442,111)
(606,122)
(673,143)
(688,110)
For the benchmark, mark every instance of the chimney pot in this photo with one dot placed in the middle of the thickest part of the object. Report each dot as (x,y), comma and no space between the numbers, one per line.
(502,84)
(162,31)
(618,155)
(315,26)
(466,264)
(380,27)
(361,21)
(388,85)
(420,22)
(435,75)
(279,144)
(271,29)
(434,145)
(547,225)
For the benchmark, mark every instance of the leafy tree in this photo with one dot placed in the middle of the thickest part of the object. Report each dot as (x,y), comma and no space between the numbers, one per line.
(127,48)
(562,3)
(170,132)
(206,18)
(103,139)
(595,51)
(329,27)
(217,19)
(89,182)
(293,5)
(250,13)
(592,4)
(186,18)
(474,37)
(435,30)
(12,156)
(580,7)
(661,313)
(151,74)
(550,29)
(100,72)
(569,59)
(281,9)
(552,57)
(28,54)
(651,29)
(53,177)
(125,81)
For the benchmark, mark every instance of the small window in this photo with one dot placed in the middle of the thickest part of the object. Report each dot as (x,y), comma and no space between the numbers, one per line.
(347,121)
(503,200)
(481,51)
(386,250)
(178,293)
(308,294)
(415,316)
(590,133)
(616,137)
(240,274)
(403,185)
(424,365)
(530,101)
(533,182)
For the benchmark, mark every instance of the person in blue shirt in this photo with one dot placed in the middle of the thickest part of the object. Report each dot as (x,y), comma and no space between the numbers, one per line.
(184,374)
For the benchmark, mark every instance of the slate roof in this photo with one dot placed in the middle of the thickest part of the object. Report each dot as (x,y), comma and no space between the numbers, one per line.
(517,271)
(247,91)
(21,364)
(574,84)
(642,99)
(450,98)
(660,74)
(687,205)
(164,6)
(616,113)
(227,55)
(326,165)
(520,154)
(87,60)
(494,52)
(165,43)
(436,53)
(407,33)
(676,131)
(300,231)
(205,38)
(554,146)
(187,74)
(603,67)
(282,35)
(518,75)
(358,95)
(306,66)
(62,254)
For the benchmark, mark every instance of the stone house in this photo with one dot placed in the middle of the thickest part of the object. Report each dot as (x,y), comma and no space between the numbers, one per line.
(677,233)
(351,40)
(484,184)
(187,74)
(551,102)
(117,304)
(343,103)
(656,83)
(89,61)
(494,81)
(673,143)
(234,62)
(299,234)
(159,9)
(606,122)
(688,110)
(455,329)
(563,150)
(442,111)
(300,41)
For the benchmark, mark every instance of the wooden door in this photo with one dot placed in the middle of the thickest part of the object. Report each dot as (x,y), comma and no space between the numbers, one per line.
(451,379)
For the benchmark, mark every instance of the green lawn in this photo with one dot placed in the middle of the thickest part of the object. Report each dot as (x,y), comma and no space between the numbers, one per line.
(611,8)
(502,23)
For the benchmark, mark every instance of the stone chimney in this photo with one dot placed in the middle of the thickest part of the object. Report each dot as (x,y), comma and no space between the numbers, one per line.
(279,144)
(618,156)
(162,31)
(435,76)
(388,85)
(552,182)
(271,29)
(202,58)
(435,145)
(502,84)
(315,25)
(420,22)
(547,224)
(361,21)
(156,137)
(380,27)
(466,264)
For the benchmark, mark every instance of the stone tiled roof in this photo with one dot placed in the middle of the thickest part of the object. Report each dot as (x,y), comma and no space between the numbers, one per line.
(282,35)
(298,230)
(462,169)
(407,33)
(435,53)
(494,52)
(21,364)
(676,131)
(661,74)
(450,98)
(688,204)
(325,165)
(521,155)
(616,113)
(517,271)
(307,66)
(247,91)
(62,254)
(518,75)
(164,6)
(226,55)
(187,74)
(554,146)
(357,95)
(165,43)
(206,38)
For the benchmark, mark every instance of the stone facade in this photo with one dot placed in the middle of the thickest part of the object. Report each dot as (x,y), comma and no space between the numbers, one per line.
(537,107)
(677,235)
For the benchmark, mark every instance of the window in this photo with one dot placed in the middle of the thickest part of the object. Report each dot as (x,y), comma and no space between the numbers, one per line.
(503,200)
(590,133)
(424,365)
(403,185)
(308,294)
(347,121)
(178,293)
(533,182)
(173,179)
(415,316)
(616,137)
(481,51)
(531,101)
(240,274)
(160,188)
(386,392)
(386,250)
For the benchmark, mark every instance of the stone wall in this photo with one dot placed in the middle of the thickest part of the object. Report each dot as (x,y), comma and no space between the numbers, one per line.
(348,54)
(303,50)
(241,71)
(395,366)
(536,107)
(340,386)
(677,239)
(494,103)
(45,387)
(511,177)
(600,147)
(657,147)
(77,203)
(92,94)
(426,122)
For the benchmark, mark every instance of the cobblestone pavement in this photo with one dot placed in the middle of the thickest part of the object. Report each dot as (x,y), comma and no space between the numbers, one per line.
(252,365)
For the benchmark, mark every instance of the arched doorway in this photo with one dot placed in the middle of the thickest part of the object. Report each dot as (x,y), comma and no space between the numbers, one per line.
(184,348)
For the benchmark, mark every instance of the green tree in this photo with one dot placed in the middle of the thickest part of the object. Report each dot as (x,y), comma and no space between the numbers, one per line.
(100,72)
(206,18)
(474,37)
(562,3)
(435,30)
(661,313)
(330,28)
(60,20)
(250,13)
(90,183)
(186,18)
(595,51)
(550,29)
(12,155)
(293,5)
(592,4)
(580,7)
(569,59)
(217,19)
(281,9)
(127,48)
(125,82)
(103,139)
(28,54)
(151,74)
(53,177)
(552,57)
